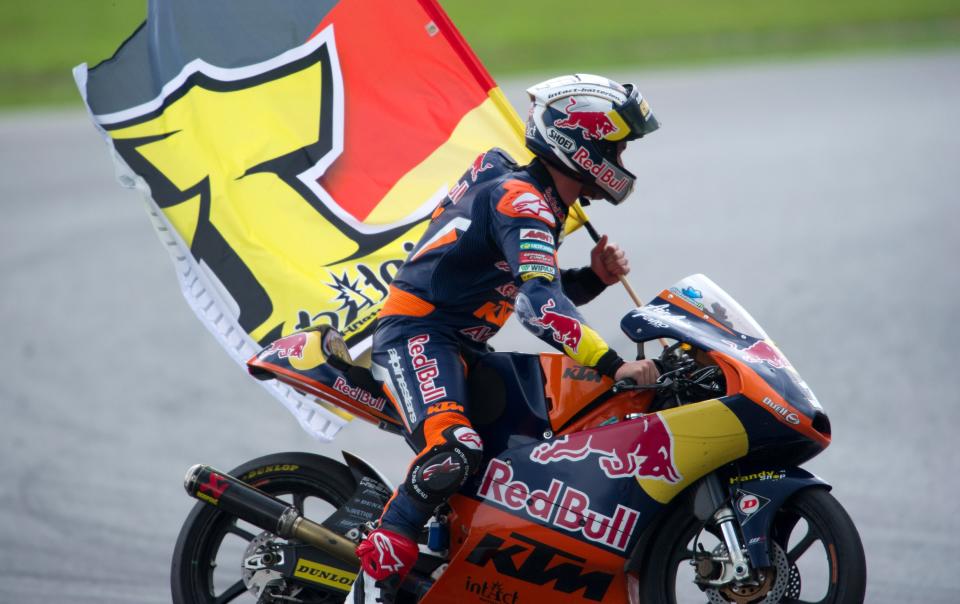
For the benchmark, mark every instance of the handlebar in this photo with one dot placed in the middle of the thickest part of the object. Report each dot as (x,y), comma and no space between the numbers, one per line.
(627,384)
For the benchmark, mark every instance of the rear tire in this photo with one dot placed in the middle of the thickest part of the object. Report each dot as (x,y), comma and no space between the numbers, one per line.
(300,478)
(809,517)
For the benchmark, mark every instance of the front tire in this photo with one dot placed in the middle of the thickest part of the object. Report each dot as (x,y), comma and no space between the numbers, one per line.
(822,547)
(208,554)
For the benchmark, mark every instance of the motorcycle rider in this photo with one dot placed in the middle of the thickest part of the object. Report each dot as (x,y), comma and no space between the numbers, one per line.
(490,248)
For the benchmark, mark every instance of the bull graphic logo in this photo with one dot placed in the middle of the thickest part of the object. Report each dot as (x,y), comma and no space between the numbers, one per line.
(566,330)
(479,166)
(290,346)
(762,352)
(595,124)
(647,453)
(388,559)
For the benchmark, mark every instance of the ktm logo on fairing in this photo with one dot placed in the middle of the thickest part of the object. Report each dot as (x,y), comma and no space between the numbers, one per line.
(540,564)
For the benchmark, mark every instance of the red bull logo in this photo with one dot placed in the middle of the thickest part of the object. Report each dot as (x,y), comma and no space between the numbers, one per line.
(479,166)
(762,352)
(290,346)
(647,453)
(566,330)
(595,125)
(606,175)
(559,505)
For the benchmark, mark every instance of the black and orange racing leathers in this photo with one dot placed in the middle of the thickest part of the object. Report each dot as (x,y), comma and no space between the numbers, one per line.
(490,248)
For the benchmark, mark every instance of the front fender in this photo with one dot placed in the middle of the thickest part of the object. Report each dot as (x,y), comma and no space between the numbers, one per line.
(757,496)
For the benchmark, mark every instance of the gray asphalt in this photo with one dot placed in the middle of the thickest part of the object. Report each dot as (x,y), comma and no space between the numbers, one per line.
(822,195)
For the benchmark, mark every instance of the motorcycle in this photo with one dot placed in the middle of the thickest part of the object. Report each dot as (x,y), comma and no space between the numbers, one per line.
(687,490)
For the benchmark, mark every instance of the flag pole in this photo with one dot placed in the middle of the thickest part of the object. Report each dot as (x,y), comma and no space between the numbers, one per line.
(582,217)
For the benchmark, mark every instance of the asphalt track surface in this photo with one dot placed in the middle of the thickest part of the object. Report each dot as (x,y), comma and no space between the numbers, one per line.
(822,195)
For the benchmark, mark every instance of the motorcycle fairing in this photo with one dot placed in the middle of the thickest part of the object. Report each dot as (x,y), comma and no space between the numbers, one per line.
(504,558)
(766,490)
(751,363)
(601,485)
(312,360)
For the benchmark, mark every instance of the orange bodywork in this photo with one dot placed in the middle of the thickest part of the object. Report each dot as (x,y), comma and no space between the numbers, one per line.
(539,565)
(741,378)
(571,387)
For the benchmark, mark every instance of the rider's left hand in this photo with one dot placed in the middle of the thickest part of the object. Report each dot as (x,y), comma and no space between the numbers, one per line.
(608,261)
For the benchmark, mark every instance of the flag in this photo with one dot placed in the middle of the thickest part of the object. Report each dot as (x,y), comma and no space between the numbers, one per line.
(290,152)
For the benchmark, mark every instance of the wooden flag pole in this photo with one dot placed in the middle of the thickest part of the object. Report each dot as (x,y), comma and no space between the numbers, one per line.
(582,217)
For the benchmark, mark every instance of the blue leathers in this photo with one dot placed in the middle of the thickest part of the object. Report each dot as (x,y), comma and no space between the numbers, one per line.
(490,248)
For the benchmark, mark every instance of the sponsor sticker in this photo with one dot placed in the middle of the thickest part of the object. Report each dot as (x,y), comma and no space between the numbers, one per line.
(536,246)
(605,173)
(537,257)
(561,140)
(559,505)
(537,563)
(538,268)
(325,575)
(359,394)
(536,235)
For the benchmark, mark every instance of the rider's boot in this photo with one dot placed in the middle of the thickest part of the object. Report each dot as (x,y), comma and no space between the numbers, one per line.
(385,559)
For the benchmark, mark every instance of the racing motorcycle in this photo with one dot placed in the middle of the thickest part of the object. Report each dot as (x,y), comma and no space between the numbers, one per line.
(687,490)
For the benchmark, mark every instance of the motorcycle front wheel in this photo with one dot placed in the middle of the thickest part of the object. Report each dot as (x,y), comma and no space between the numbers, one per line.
(816,553)
(207,559)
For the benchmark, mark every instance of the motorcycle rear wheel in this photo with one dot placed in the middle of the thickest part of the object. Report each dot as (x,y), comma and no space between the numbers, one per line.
(206,567)
(812,517)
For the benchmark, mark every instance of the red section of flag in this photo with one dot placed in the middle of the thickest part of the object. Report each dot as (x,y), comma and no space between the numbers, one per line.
(405,90)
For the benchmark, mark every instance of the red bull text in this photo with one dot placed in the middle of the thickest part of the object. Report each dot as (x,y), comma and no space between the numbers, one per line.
(559,505)
(359,394)
(643,453)
(605,173)
(425,369)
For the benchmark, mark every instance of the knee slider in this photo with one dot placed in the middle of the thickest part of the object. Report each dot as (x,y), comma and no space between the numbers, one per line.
(439,471)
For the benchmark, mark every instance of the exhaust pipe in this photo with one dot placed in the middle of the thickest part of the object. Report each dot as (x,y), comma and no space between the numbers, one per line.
(264,511)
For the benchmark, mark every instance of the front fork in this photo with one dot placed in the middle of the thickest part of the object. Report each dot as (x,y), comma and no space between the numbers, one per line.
(738,566)
(768,489)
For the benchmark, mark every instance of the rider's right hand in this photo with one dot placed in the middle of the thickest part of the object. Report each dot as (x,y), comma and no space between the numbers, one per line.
(642,372)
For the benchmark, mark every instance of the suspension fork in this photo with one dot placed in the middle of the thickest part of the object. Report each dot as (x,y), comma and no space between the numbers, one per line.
(712,502)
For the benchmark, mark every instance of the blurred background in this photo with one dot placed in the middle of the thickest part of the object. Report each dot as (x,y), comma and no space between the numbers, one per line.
(808,163)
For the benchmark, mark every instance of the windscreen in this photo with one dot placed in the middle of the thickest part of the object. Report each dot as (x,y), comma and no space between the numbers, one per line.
(710,298)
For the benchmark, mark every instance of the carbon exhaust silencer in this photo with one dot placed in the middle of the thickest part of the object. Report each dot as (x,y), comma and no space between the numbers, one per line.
(264,511)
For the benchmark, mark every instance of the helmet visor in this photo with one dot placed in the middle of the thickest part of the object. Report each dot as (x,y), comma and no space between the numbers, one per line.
(635,116)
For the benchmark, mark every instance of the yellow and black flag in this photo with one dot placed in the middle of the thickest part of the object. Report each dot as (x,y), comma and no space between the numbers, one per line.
(290,152)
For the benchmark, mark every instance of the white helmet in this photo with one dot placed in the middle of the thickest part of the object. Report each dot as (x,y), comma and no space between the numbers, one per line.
(577,122)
